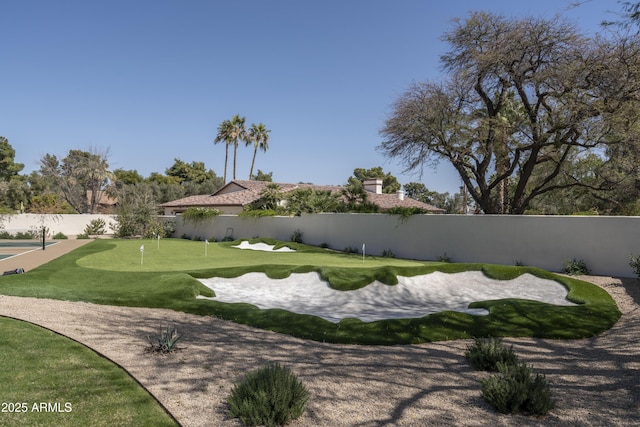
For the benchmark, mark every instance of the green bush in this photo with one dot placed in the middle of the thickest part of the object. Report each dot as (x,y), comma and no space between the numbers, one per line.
(634,262)
(82,236)
(575,267)
(388,253)
(4,234)
(166,342)
(515,390)
(271,396)
(444,258)
(296,236)
(486,354)
(96,227)
(197,215)
(59,236)
(350,250)
(24,235)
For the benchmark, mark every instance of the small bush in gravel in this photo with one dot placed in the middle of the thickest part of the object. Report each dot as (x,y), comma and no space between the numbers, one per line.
(575,267)
(515,389)
(271,396)
(166,342)
(485,354)
(59,236)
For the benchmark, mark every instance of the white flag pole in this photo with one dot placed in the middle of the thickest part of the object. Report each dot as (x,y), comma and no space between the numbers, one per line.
(363,253)
(141,254)
(206,246)
(158,241)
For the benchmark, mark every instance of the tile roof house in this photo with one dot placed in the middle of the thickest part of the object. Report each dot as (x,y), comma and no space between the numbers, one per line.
(235,195)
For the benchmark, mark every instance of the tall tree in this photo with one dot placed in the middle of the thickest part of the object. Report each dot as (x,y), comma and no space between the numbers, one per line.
(8,167)
(225,135)
(546,96)
(390,183)
(81,178)
(259,137)
(238,134)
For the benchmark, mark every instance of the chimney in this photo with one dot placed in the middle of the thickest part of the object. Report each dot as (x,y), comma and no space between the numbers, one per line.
(373,185)
(400,194)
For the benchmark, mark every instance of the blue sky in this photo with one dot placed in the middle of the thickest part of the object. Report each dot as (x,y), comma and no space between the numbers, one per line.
(150,81)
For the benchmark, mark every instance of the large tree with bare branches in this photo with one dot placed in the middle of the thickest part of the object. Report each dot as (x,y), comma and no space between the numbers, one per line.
(523,98)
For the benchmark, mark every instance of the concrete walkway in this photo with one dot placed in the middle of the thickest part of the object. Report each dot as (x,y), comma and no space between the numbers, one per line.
(31,259)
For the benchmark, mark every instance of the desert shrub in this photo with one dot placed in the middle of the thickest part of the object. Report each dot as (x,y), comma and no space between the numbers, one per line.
(296,236)
(575,267)
(634,262)
(59,236)
(166,342)
(486,354)
(82,236)
(444,258)
(350,250)
(24,235)
(388,253)
(271,396)
(324,245)
(514,389)
(199,214)
(96,227)
(4,234)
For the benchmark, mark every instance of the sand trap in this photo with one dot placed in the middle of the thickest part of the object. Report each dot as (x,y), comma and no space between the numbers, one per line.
(262,247)
(412,297)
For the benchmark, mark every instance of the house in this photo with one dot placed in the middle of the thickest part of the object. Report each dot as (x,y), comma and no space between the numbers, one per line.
(235,195)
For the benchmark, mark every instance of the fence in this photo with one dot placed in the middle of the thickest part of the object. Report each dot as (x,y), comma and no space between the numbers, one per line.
(604,243)
(70,225)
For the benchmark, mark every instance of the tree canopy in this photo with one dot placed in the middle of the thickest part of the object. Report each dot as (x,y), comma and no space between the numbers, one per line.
(524,98)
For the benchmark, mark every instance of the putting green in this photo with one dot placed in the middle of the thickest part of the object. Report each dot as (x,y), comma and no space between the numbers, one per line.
(186,255)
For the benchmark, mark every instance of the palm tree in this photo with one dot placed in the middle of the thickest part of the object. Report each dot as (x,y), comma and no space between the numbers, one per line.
(238,133)
(259,136)
(224,135)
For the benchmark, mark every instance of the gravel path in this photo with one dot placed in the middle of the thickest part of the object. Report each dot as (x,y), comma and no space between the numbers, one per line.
(596,381)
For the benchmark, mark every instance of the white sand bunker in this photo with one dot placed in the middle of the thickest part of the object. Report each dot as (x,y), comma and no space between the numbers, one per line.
(262,247)
(412,297)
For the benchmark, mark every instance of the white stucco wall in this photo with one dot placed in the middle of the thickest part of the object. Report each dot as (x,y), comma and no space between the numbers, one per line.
(70,225)
(604,243)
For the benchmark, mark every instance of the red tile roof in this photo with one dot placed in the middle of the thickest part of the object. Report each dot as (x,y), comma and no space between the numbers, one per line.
(242,193)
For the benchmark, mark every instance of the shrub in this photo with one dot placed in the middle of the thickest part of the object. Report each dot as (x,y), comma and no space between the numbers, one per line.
(515,390)
(24,235)
(575,267)
(271,396)
(324,245)
(350,250)
(82,236)
(199,214)
(388,253)
(634,262)
(59,236)
(4,234)
(486,354)
(296,236)
(444,258)
(166,342)
(96,227)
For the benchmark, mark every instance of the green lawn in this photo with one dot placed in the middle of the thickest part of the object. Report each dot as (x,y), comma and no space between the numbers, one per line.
(47,380)
(110,272)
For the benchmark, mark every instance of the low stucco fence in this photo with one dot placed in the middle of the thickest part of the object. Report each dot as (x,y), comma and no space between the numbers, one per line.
(69,225)
(604,243)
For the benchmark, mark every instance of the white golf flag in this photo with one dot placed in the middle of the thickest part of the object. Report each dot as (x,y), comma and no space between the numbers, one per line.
(142,248)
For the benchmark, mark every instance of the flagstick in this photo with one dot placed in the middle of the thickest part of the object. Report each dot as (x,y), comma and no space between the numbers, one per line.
(206,246)
(363,253)
(141,254)
(158,241)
